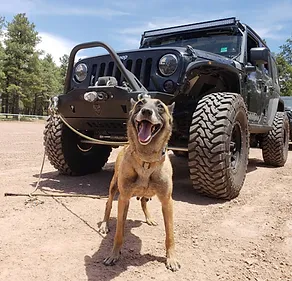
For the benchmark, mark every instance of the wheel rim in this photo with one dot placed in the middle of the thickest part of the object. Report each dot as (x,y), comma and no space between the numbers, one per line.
(235,146)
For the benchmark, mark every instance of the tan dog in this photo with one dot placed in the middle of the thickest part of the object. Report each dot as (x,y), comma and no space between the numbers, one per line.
(143,169)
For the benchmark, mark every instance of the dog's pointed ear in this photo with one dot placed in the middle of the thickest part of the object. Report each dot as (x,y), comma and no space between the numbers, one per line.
(133,102)
(171,108)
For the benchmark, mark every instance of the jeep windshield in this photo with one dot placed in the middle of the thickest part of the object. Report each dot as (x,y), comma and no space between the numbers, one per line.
(220,42)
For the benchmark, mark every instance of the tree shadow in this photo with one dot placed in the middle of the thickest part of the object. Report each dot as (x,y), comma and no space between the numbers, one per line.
(130,256)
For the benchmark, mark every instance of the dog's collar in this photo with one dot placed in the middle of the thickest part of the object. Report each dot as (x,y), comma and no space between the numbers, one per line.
(147,165)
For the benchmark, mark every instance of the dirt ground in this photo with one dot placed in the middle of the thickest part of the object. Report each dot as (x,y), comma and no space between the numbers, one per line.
(248,238)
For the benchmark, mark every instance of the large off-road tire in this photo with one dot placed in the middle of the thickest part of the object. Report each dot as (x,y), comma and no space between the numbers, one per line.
(275,143)
(219,145)
(67,154)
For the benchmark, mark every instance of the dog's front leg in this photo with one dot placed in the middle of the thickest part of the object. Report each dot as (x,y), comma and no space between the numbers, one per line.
(103,229)
(167,210)
(123,206)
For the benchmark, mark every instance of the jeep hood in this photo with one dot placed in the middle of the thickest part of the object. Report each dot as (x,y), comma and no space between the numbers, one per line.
(182,50)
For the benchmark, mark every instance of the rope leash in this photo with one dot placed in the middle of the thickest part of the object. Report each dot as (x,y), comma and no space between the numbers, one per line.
(53,110)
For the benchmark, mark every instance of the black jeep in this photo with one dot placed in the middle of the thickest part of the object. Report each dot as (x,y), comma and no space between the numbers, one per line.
(223,79)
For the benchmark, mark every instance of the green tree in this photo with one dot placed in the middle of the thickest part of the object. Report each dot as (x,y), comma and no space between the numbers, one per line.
(285,75)
(284,62)
(2,74)
(286,51)
(64,60)
(34,86)
(20,65)
(52,86)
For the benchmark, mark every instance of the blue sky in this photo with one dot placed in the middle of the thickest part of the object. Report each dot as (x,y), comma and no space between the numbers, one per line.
(63,24)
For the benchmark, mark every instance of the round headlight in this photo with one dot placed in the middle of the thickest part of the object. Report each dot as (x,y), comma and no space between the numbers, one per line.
(168,64)
(80,72)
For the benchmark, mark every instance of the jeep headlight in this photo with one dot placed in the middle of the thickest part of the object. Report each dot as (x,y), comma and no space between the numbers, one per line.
(80,72)
(168,64)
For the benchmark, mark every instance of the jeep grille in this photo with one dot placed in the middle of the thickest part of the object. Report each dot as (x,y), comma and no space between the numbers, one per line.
(140,67)
(109,127)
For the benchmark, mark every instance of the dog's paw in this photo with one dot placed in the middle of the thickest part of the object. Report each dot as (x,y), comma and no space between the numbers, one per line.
(172,264)
(112,259)
(151,222)
(103,229)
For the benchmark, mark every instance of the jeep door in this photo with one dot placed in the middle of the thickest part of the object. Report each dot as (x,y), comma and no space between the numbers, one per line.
(254,84)
(268,89)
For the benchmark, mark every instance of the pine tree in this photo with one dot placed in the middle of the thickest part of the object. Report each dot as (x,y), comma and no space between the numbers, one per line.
(64,60)
(19,63)
(2,74)
(50,75)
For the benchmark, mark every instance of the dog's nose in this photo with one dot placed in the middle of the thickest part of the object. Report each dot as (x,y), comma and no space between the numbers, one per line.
(146,111)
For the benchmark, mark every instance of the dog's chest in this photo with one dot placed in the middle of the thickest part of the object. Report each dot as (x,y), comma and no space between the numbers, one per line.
(143,184)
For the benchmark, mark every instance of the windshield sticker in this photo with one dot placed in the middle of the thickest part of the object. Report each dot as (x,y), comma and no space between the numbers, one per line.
(223,50)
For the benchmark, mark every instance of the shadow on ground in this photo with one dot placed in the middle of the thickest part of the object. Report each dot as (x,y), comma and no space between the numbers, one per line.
(130,256)
(98,184)
(92,184)
(254,163)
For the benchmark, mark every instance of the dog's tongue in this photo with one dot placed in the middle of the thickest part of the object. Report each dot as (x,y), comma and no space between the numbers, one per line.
(145,131)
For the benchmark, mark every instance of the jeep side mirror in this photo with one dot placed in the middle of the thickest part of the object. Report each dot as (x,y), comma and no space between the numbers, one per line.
(259,55)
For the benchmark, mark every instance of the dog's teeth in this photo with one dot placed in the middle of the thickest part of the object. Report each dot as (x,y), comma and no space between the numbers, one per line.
(152,129)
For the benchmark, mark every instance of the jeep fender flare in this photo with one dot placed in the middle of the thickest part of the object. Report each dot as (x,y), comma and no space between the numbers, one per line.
(227,71)
(275,105)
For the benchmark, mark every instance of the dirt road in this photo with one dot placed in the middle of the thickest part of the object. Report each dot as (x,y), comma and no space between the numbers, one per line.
(249,238)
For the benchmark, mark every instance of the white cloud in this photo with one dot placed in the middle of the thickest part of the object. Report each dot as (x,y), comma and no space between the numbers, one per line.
(133,34)
(273,32)
(52,44)
(157,23)
(272,21)
(129,43)
(55,45)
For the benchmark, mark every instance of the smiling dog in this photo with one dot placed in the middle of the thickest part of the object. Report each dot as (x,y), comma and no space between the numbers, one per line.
(143,169)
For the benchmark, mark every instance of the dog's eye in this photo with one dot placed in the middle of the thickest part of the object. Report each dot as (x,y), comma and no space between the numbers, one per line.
(138,106)
(160,107)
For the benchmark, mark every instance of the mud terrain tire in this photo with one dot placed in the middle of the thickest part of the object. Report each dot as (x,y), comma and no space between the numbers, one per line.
(219,145)
(67,154)
(275,144)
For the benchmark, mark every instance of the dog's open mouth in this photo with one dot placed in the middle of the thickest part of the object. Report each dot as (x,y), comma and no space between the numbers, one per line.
(146,130)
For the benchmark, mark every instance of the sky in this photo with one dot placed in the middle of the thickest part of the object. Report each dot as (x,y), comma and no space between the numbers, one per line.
(64,23)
